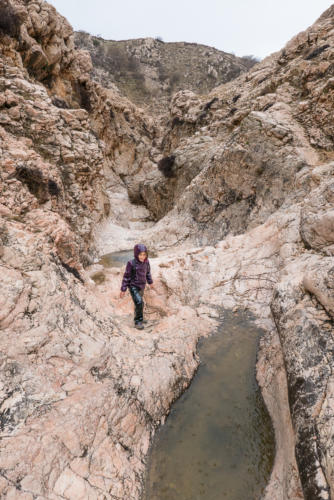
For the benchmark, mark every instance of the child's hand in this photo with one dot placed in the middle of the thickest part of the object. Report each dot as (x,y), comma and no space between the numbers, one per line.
(152,287)
(121,295)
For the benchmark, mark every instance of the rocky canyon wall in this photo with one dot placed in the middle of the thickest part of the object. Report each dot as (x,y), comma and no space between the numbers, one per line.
(62,137)
(230,159)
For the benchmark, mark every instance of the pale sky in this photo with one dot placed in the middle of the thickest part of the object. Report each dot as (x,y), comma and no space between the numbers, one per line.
(244,27)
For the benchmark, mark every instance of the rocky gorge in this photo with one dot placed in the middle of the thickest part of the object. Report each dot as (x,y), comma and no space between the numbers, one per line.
(234,194)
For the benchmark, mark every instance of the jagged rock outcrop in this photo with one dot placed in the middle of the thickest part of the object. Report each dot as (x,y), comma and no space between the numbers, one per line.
(237,152)
(63,141)
(148,71)
(81,393)
(51,165)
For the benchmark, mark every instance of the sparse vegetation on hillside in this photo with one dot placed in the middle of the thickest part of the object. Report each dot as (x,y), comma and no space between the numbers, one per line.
(250,60)
(149,71)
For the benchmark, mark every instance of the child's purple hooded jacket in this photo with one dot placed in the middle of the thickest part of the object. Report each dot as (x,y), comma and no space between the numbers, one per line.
(143,272)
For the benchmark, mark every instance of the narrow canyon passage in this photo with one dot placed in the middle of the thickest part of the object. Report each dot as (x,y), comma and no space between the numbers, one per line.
(218,436)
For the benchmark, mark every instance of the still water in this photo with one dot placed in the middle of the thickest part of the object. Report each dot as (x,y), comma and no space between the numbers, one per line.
(116,259)
(119,259)
(217,442)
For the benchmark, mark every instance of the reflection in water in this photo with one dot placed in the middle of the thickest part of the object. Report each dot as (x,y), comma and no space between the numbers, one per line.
(218,441)
(116,259)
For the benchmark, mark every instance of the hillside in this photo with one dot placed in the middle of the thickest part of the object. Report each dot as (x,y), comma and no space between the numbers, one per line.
(149,71)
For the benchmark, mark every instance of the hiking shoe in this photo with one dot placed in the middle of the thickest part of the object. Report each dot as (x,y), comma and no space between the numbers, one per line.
(139,326)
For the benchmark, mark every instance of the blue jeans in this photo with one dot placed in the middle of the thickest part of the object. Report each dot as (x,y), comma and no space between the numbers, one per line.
(137,297)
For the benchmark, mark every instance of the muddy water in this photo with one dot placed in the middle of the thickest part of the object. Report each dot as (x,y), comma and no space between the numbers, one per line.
(217,442)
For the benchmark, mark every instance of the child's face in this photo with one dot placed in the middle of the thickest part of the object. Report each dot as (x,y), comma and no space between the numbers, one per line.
(142,256)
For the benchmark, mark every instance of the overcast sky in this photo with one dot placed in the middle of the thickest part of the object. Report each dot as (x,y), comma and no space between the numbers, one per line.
(245,27)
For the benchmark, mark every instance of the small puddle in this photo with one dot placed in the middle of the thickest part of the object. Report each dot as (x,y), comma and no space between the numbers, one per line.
(116,259)
(217,442)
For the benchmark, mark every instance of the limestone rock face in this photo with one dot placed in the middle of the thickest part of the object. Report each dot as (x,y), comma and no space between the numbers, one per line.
(239,151)
(241,182)
(51,164)
(317,222)
(63,137)
(149,71)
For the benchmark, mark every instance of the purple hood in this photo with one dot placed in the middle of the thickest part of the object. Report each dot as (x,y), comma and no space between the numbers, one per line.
(139,248)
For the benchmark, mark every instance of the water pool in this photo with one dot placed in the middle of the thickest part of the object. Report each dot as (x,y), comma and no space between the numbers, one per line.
(218,440)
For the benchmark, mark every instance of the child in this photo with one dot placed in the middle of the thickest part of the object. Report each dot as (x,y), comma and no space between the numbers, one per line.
(137,272)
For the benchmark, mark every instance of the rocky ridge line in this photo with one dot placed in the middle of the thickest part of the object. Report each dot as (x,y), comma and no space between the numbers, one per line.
(149,71)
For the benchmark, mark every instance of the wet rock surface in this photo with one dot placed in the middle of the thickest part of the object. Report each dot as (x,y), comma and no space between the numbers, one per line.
(245,221)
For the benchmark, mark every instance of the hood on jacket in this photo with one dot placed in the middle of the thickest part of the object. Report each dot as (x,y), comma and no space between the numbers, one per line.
(139,248)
